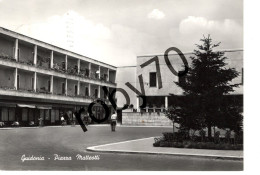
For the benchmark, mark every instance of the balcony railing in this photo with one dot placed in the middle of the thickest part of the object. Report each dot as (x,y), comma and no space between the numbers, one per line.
(30,63)
(7,88)
(43,91)
(7,57)
(25,90)
(58,68)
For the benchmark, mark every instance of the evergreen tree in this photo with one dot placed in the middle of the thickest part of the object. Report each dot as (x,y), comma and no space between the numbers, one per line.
(208,79)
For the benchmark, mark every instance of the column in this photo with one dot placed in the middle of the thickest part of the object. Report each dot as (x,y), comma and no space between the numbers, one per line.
(89,68)
(15,78)
(51,61)
(66,62)
(34,83)
(78,88)
(137,104)
(107,74)
(66,86)
(89,91)
(166,102)
(99,75)
(78,66)
(99,90)
(51,88)
(35,55)
(16,50)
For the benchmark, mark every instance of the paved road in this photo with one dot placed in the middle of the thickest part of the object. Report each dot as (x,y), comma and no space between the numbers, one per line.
(70,141)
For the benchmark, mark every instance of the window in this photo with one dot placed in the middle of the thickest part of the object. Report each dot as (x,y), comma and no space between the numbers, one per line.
(63,88)
(11,114)
(53,116)
(24,114)
(18,81)
(31,115)
(57,116)
(76,90)
(105,77)
(18,55)
(42,113)
(182,79)
(32,82)
(49,85)
(153,79)
(4,114)
(96,93)
(76,68)
(47,114)
(63,65)
(86,91)
(87,72)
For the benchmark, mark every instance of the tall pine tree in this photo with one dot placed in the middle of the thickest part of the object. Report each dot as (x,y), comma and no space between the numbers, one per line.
(208,79)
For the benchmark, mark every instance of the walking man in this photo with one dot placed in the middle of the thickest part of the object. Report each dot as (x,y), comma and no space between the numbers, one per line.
(41,122)
(113,122)
(62,121)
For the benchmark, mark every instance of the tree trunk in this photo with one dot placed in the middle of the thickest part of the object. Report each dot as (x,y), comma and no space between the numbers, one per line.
(209,131)
(173,127)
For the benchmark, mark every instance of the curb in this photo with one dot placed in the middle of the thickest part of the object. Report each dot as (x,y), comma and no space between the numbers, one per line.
(35,127)
(220,157)
(169,154)
(96,125)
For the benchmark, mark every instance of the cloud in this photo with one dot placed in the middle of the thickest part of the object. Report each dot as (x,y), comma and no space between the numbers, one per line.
(116,44)
(73,32)
(202,24)
(66,29)
(191,29)
(156,14)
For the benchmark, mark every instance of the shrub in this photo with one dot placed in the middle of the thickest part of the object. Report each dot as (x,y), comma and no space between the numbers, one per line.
(198,145)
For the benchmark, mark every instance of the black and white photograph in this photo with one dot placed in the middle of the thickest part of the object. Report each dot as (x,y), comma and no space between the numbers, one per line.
(122,85)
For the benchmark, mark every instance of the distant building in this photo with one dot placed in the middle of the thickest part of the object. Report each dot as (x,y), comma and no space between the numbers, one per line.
(160,98)
(39,80)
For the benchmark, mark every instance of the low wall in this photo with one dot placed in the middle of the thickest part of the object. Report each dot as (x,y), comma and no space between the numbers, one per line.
(145,119)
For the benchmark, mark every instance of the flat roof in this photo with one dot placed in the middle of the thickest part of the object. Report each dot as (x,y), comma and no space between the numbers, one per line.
(191,52)
(56,47)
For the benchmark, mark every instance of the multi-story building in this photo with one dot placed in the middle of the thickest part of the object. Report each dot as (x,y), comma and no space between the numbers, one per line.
(39,80)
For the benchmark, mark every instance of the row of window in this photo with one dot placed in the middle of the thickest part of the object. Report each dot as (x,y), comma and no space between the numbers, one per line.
(8,114)
(62,63)
(153,78)
(62,87)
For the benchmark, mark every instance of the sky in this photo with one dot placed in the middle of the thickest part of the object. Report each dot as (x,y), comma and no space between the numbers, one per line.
(116,32)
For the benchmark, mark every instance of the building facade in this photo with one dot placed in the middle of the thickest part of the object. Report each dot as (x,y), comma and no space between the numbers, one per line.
(159,88)
(39,80)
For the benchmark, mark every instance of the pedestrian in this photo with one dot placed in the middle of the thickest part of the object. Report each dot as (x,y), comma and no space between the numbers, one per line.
(41,122)
(113,122)
(73,119)
(62,120)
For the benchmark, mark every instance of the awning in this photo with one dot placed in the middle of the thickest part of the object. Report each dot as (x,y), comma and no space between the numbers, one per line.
(7,104)
(25,106)
(43,107)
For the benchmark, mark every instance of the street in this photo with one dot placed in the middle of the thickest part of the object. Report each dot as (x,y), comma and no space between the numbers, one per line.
(70,141)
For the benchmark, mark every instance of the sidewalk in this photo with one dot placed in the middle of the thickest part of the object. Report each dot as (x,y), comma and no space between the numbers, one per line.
(145,146)
(77,125)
